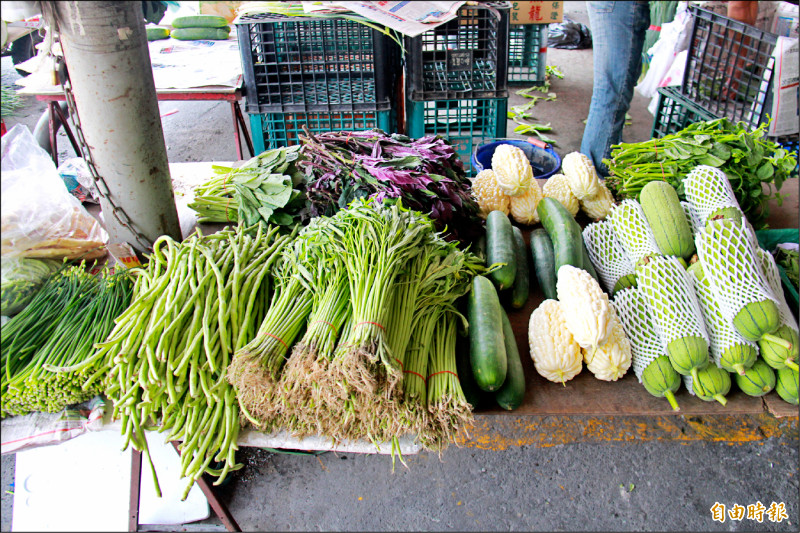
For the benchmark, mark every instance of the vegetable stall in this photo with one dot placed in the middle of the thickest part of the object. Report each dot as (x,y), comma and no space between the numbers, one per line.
(360,286)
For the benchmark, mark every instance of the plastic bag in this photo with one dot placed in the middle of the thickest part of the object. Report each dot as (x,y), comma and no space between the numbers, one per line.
(674,39)
(40,218)
(80,184)
(569,35)
(20,280)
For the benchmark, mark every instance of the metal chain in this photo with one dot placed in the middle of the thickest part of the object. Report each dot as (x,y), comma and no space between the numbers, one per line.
(102,187)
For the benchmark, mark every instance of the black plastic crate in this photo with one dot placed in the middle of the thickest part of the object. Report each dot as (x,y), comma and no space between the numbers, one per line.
(464,122)
(274,130)
(674,113)
(527,53)
(466,57)
(729,67)
(299,64)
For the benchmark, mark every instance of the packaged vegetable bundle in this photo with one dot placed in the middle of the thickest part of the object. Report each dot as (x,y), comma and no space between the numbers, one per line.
(20,279)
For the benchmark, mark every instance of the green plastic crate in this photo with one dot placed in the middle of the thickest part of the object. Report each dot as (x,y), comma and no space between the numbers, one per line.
(273,130)
(674,113)
(465,123)
(527,54)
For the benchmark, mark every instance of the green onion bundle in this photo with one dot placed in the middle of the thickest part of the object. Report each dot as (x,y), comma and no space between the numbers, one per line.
(48,348)
(195,303)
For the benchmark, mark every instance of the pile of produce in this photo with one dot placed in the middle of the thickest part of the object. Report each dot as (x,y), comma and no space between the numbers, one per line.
(20,279)
(48,348)
(425,174)
(374,288)
(697,297)
(509,186)
(198,27)
(194,305)
(267,189)
(755,166)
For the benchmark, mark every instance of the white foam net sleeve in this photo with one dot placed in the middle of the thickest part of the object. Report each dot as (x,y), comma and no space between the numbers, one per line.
(634,314)
(732,267)
(606,253)
(633,230)
(722,335)
(670,295)
(687,382)
(707,189)
(691,217)
(773,277)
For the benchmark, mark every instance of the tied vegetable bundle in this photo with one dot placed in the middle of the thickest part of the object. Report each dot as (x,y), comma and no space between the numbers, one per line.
(195,303)
(266,189)
(373,288)
(47,349)
(755,166)
(425,173)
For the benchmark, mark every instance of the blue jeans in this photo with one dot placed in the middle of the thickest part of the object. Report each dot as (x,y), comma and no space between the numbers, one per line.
(618,31)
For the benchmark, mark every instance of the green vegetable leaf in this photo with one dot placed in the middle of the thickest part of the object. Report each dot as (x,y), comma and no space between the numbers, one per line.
(765,171)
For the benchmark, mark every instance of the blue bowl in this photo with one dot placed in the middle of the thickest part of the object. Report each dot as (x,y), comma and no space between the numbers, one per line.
(544,162)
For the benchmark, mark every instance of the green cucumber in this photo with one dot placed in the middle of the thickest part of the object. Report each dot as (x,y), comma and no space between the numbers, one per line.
(544,262)
(661,380)
(521,289)
(712,383)
(587,263)
(757,380)
(511,394)
(200,34)
(667,219)
(563,231)
(688,354)
(738,358)
(200,21)
(473,394)
(778,356)
(628,280)
(487,351)
(155,33)
(500,249)
(786,384)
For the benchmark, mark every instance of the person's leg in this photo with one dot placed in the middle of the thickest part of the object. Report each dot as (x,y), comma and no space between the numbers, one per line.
(618,32)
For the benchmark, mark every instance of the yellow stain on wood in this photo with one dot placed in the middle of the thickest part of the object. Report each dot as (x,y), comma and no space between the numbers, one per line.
(500,433)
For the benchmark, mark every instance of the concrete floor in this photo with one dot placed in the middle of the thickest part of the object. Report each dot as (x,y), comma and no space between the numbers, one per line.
(658,486)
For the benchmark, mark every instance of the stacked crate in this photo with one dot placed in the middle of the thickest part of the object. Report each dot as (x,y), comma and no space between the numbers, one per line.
(729,73)
(527,54)
(456,78)
(324,74)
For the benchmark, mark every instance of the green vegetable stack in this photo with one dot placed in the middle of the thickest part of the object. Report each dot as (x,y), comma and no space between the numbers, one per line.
(21,278)
(200,28)
(756,167)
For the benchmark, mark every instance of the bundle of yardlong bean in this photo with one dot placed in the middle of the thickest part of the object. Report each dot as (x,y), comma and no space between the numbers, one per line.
(195,304)
(74,311)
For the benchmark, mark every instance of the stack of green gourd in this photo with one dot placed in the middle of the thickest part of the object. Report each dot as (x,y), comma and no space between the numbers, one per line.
(200,28)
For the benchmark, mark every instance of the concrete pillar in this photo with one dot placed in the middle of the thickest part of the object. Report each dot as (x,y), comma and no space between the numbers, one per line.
(105,49)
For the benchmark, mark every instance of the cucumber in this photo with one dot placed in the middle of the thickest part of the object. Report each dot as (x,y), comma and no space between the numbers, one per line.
(200,21)
(661,380)
(757,380)
(155,33)
(587,263)
(473,394)
(511,394)
(786,383)
(688,354)
(200,34)
(712,383)
(487,351)
(667,219)
(738,358)
(628,280)
(520,290)
(563,231)
(500,249)
(776,355)
(544,262)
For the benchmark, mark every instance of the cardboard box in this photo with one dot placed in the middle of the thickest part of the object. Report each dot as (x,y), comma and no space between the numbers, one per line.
(536,12)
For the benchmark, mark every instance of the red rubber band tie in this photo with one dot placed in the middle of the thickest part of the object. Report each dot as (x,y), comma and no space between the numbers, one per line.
(325,322)
(443,372)
(373,323)
(399,362)
(415,374)
(228,203)
(276,337)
